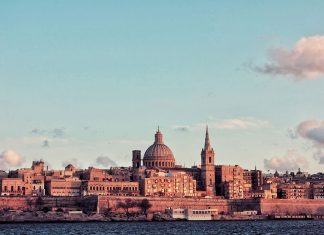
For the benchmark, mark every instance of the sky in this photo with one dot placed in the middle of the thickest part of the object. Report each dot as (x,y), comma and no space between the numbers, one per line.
(87,82)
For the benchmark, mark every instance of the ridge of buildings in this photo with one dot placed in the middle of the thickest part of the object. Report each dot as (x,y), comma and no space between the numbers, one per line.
(157,175)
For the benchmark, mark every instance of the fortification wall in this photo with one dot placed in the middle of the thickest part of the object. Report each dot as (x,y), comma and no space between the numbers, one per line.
(16,203)
(25,202)
(160,204)
(291,207)
(100,203)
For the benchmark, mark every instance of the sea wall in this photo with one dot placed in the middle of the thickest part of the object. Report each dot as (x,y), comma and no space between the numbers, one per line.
(101,203)
(160,204)
(26,202)
(291,207)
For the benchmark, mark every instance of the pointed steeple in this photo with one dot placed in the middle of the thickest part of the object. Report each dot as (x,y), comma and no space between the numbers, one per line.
(207,140)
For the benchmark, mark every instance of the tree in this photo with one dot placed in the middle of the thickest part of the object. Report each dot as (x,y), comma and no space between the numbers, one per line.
(29,203)
(320,210)
(145,205)
(126,205)
(107,212)
(39,202)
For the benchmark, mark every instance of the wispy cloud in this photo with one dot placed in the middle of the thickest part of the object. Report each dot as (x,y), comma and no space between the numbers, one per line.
(54,133)
(289,162)
(304,61)
(242,123)
(291,133)
(105,161)
(45,144)
(239,123)
(182,128)
(129,142)
(74,161)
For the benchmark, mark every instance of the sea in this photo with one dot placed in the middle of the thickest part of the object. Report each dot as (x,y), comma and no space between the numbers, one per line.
(174,227)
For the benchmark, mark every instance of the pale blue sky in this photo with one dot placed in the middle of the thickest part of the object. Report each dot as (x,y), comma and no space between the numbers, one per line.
(109,72)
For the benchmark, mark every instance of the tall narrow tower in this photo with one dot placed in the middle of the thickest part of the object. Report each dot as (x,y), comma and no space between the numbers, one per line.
(136,160)
(208,167)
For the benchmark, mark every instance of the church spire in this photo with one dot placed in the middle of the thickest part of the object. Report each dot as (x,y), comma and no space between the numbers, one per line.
(207,141)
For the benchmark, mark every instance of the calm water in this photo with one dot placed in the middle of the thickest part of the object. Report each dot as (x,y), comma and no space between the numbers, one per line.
(206,227)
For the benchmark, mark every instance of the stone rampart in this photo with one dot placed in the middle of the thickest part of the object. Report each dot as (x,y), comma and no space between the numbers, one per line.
(26,202)
(101,203)
(291,207)
(160,204)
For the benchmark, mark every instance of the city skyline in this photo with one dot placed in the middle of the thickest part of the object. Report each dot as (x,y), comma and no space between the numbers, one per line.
(92,85)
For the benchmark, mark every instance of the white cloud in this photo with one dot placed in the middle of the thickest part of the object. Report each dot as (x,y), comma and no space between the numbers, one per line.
(289,162)
(239,123)
(304,61)
(313,131)
(9,158)
(319,156)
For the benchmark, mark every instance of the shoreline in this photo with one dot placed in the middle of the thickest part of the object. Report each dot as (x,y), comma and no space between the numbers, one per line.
(99,218)
(143,221)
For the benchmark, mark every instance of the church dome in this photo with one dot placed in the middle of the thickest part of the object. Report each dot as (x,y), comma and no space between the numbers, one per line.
(158,154)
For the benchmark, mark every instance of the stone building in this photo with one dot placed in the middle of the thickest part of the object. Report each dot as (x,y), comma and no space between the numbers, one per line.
(294,190)
(257,179)
(63,187)
(167,184)
(3,174)
(317,190)
(96,174)
(110,188)
(33,178)
(12,187)
(229,181)
(266,191)
(247,184)
(252,182)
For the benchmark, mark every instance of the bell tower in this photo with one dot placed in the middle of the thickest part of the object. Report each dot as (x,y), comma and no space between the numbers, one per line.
(208,167)
(136,160)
